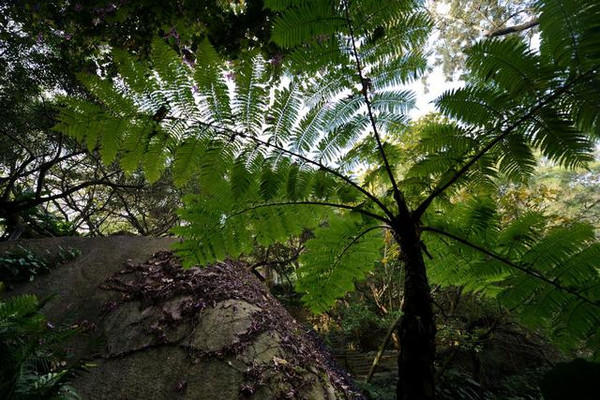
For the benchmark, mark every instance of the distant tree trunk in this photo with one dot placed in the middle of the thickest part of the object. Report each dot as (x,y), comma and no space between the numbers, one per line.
(417,329)
(15,226)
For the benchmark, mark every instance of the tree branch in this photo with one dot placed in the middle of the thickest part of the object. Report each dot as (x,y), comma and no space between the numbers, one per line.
(528,271)
(21,205)
(513,29)
(267,263)
(13,179)
(46,164)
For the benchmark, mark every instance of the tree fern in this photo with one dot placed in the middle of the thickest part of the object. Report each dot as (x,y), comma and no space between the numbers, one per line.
(271,159)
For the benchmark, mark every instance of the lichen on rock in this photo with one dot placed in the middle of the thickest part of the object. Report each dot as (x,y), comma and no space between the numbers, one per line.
(218,318)
(162,332)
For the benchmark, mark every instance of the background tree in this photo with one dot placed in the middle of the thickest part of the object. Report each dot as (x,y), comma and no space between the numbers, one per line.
(460,24)
(565,196)
(49,184)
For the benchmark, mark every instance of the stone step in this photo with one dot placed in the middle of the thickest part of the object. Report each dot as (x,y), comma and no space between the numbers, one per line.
(359,364)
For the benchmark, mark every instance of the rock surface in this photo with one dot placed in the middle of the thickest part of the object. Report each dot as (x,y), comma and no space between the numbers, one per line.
(157,331)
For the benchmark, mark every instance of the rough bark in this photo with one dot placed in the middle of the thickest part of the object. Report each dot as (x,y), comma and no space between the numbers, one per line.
(417,329)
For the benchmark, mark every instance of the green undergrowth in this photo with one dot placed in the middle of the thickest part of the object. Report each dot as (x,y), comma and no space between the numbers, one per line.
(23,265)
(34,364)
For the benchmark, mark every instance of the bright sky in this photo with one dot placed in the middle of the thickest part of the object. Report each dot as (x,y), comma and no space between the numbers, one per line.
(436,85)
(436,81)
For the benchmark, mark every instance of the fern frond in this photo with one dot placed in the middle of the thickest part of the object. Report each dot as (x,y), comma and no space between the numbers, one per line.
(281,117)
(248,200)
(18,307)
(521,234)
(569,30)
(399,71)
(515,158)
(555,135)
(135,74)
(174,77)
(474,105)
(558,245)
(309,129)
(551,263)
(510,63)
(343,111)
(340,253)
(105,91)
(135,137)
(209,76)
(393,101)
(306,21)
(251,96)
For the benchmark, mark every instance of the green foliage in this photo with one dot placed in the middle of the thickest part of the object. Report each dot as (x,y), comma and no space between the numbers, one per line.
(564,196)
(272,154)
(341,251)
(22,264)
(516,102)
(523,250)
(519,98)
(265,152)
(461,23)
(32,365)
(252,204)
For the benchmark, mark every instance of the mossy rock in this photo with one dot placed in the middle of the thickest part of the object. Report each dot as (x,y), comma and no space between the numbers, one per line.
(156,331)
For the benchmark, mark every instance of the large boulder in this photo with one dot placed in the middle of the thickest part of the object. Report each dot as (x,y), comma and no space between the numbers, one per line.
(157,331)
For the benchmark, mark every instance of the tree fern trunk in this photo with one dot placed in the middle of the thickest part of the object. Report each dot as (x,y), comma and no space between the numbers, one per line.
(417,328)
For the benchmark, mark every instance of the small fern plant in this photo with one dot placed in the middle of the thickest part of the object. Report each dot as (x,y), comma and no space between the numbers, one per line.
(274,153)
(31,366)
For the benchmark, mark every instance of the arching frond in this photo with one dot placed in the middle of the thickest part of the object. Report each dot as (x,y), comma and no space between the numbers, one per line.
(480,106)
(282,117)
(251,202)
(509,63)
(547,276)
(251,96)
(569,32)
(209,76)
(305,21)
(341,252)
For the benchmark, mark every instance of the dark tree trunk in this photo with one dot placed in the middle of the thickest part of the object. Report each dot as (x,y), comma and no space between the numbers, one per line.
(417,328)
